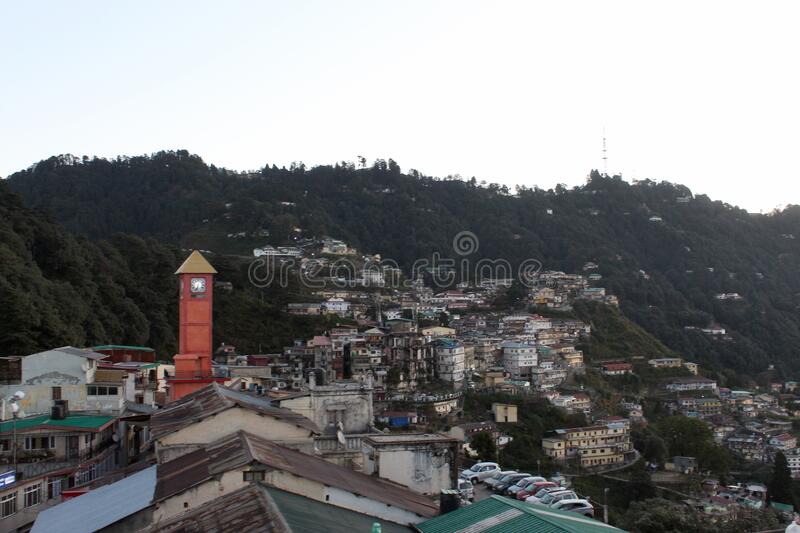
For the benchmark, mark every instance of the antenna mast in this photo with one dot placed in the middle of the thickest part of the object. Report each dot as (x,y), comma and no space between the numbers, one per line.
(605,154)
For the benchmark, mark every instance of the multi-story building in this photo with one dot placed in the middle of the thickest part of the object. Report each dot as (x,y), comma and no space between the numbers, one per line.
(518,359)
(450,361)
(616,368)
(593,445)
(688,384)
(702,407)
(666,362)
(793,458)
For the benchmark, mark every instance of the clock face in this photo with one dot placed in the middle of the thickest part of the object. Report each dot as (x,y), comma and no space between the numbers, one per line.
(198,285)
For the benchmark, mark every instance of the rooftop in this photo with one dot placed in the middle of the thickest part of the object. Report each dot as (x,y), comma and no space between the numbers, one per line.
(503,515)
(91,423)
(196,264)
(122,347)
(406,438)
(240,449)
(215,399)
(100,507)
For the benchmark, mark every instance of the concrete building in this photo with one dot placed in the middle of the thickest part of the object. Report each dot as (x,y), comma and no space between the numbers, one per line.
(425,463)
(58,374)
(504,412)
(345,403)
(594,446)
(518,359)
(450,361)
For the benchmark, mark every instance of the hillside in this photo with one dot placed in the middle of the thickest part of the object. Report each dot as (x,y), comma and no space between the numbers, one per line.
(58,289)
(663,251)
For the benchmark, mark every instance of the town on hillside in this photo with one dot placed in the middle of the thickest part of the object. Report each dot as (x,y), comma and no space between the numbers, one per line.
(423,409)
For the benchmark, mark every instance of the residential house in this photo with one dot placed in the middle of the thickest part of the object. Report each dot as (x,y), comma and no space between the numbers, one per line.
(518,359)
(616,368)
(59,374)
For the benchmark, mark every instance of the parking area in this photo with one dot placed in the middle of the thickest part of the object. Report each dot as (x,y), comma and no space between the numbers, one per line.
(482,492)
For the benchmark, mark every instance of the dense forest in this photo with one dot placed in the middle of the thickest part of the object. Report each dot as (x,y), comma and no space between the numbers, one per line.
(60,289)
(663,251)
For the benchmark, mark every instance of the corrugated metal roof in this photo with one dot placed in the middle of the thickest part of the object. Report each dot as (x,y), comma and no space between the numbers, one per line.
(80,422)
(306,515)
(498,514)
(214,399)
(240,449)
(246,510)
(100,507)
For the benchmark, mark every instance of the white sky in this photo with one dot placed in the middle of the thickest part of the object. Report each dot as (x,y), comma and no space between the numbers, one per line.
(701,93)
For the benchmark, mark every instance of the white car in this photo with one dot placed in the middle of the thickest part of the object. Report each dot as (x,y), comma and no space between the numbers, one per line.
(466,489)
(495,478)
(553,497)
(479,471)
(522,483)
(535,498)
(579,506)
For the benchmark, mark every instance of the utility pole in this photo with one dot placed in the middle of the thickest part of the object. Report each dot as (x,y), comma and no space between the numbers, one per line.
(605,153)
(605,505)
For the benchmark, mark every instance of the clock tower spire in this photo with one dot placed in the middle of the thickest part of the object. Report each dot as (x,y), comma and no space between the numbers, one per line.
(196,297)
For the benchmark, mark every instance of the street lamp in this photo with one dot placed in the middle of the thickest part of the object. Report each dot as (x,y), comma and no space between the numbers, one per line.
(605,505)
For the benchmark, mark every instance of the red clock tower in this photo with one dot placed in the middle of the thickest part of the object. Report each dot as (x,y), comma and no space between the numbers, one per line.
(196,298)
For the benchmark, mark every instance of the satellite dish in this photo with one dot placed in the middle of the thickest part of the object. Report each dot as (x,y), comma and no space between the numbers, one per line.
(15,407)
(19,394)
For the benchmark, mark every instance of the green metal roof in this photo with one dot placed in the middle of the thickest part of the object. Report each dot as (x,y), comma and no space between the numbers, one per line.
(498,514)
(91,422)
(122,347)
(305,514)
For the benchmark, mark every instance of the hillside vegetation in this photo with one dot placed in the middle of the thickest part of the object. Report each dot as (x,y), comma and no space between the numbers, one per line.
(666,272)
(59,289)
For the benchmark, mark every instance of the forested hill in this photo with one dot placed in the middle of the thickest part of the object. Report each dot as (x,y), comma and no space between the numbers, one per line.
(663,251)
(58,289)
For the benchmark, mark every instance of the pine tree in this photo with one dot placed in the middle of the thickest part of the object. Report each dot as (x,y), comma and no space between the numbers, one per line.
(780,485)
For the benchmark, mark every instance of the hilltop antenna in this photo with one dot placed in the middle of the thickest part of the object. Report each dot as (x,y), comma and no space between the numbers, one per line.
(605,153)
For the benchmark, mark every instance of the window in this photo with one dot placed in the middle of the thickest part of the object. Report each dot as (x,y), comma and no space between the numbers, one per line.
(5,445)
(253,476)
(56,393)
(40,443)
(8,505)
(33,495)
(101,390)
(54,488)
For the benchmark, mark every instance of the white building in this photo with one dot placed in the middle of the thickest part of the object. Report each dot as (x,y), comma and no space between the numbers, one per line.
(338,306)
(518,359)
(64,373)
(425,463)
(450,361)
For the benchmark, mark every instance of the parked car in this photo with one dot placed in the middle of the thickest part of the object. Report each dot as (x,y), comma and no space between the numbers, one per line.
(553,497)
(522,483)
(509,480)
(493,480)
(532,488)
(479,471)
(541,493)
(579,506)
(466,489)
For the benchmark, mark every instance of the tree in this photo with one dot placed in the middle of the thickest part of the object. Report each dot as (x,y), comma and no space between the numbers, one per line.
(484,445)
(779,488)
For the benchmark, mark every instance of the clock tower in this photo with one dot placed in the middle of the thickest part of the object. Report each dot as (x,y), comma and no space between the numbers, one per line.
(195,300)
